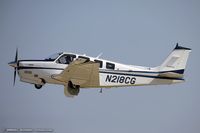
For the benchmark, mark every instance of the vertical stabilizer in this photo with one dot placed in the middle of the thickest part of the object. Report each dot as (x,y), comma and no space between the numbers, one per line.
(175,63)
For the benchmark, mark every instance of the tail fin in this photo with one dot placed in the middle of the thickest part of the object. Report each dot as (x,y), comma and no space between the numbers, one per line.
(175,63)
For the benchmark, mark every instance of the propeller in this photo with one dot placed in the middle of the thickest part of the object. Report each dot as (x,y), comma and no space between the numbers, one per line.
(15,65)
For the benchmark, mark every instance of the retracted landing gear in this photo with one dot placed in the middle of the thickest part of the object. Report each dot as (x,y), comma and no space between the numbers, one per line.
(39,86)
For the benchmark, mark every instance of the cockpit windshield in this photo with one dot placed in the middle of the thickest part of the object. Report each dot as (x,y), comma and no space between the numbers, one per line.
(53,57)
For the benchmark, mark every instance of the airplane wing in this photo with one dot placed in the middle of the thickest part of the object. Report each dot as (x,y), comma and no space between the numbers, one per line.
(81,72)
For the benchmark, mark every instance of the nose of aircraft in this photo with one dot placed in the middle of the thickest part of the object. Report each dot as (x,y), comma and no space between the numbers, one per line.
(13,64)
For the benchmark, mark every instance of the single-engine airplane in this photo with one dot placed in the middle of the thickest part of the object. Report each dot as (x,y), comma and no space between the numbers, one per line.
(75,71)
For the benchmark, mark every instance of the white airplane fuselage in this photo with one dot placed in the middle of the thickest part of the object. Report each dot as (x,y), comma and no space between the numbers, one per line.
(123,75)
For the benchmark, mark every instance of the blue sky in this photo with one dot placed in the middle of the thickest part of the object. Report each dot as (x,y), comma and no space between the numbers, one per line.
(137,32)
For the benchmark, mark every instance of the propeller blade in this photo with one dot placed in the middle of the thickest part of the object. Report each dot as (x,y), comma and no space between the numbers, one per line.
(14,77)
(16,61)
(16,55)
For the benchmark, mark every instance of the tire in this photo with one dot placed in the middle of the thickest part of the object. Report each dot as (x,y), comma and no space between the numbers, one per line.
(73,89)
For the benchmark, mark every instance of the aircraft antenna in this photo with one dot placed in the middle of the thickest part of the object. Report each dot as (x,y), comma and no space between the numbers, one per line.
(101,90)
(99,55)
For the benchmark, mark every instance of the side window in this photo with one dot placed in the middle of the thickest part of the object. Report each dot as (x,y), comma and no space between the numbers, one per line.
(83,57)
(110,65)
(100,63)
(66,59)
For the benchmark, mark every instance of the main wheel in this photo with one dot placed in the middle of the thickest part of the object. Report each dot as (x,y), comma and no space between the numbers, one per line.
(73,89)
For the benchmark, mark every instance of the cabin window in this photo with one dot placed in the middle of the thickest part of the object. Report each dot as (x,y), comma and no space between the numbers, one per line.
(66,59)
(110,65)
(100,63)
(83,57)
(53,57)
